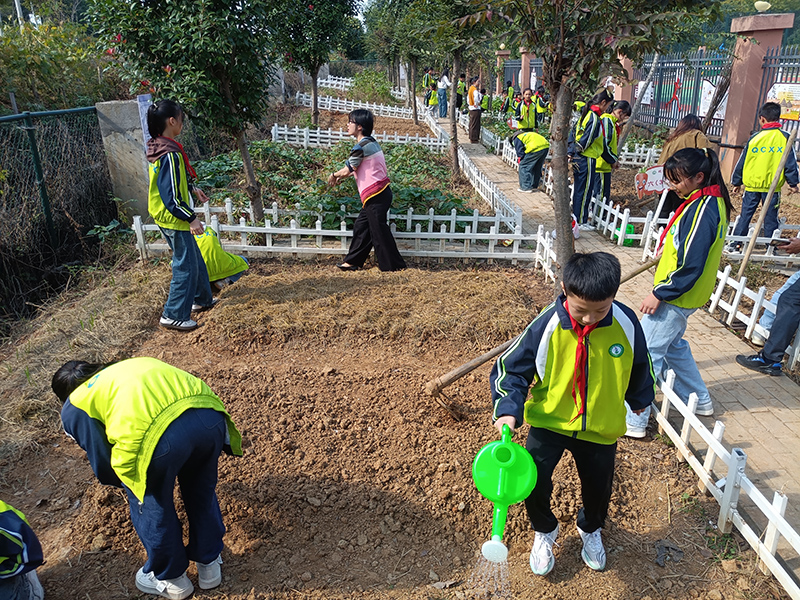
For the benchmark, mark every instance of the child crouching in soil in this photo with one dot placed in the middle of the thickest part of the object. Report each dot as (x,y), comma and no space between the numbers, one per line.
(582,359)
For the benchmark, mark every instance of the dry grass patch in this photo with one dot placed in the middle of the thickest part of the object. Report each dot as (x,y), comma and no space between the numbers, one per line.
(102,321)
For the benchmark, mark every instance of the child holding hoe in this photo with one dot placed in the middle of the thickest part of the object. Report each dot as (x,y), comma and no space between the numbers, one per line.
(582,359)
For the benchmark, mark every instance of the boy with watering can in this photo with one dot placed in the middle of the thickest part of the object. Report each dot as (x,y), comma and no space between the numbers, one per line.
(582,359)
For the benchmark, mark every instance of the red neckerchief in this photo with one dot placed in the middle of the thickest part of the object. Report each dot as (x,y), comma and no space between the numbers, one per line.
(712,190)
(189,168)
(581,357)
(775,125)
(595,109)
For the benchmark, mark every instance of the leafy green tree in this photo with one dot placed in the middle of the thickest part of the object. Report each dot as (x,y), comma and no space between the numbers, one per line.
(212,56)
(576,39)
(307,33)
(54,67)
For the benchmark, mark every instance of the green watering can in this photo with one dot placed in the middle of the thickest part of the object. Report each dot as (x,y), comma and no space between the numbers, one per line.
(504,473)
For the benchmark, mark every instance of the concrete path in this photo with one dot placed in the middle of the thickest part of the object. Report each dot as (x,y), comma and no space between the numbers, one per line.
(761,413)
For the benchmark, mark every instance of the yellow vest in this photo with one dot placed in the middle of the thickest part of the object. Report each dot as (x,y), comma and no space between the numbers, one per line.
(136,400)
(533,141)
(764,151)
(219,263)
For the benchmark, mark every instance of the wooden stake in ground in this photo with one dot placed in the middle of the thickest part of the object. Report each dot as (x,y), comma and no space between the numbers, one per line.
(752,243)
(435,386)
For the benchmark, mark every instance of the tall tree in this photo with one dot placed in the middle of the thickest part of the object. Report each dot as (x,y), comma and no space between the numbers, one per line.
(209,55)
(575,39)
(308,33)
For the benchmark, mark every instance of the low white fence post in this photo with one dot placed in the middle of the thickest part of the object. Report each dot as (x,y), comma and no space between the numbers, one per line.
(730,493)
(771,536)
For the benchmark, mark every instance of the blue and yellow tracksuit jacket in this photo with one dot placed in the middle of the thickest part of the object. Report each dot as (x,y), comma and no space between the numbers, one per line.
(609,130)
(168,200)
(20,550)
(528,142)
(542,359)
(758,162)
(587,139)
(119,415)
(687,272)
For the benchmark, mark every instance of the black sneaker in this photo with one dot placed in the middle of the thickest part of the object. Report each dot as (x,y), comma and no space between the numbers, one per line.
(756,362)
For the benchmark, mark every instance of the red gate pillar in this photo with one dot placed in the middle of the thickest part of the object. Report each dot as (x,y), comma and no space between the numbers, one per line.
(525,76)
(502,56)
(624,90)
(756,34)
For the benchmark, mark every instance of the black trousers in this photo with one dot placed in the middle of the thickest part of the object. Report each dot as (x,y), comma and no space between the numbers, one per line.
(787,317)
(595,463)
(371,230)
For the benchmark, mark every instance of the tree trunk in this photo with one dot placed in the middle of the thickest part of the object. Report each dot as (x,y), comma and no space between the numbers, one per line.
(314,97)
(629,125)
(252,186)
(454,166)
(719,94)
(412,89)
(409,87)
(559,131)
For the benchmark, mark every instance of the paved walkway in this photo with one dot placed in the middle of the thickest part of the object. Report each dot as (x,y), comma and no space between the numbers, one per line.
(761,413)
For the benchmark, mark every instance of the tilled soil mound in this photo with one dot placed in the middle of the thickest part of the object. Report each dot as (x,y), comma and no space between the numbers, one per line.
(355,483)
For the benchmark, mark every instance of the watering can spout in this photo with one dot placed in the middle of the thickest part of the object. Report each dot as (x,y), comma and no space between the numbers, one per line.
(504,473)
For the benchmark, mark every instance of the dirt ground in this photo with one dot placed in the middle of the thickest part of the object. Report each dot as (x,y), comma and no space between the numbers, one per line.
(354,483)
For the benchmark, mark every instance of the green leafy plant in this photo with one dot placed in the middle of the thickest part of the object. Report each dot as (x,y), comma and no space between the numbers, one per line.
(114,229)
(723,545)
(372,86)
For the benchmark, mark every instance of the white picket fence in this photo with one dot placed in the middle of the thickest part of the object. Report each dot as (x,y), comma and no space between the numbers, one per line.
(488,190)
(306,241)
(406,221)
(325,138)
(641,156)
(342,105)
(742,304)
(727,483)
(345,83)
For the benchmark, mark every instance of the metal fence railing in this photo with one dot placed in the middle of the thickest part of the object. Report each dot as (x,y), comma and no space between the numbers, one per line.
(54,187)
(512,71)
(682,85)
(781,66)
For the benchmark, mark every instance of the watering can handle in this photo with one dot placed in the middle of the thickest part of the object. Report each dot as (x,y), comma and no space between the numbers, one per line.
(507,434)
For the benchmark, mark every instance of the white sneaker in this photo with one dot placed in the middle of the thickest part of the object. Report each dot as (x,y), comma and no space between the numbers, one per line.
(593,553)
(705,410)
(525,191)
(586,227)
(175,589)
(542,559)
(187,325)
(209,575)
(636,431)
(201,308)
(758,340)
